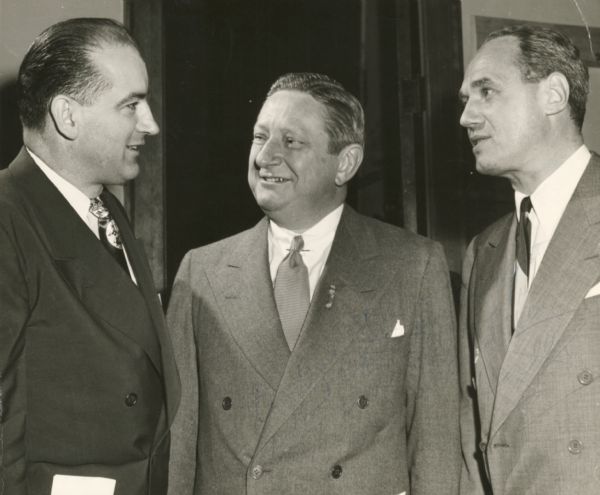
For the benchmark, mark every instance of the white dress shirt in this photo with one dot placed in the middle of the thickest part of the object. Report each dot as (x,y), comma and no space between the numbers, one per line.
(317,245)
(549,202)
(77,199)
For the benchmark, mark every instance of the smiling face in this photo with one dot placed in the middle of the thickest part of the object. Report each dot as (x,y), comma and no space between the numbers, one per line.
(114,126)
(503,114)
(291,172)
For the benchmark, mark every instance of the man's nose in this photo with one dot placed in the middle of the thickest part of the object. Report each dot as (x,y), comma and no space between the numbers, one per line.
(470,116)
(146,122)
(269,154)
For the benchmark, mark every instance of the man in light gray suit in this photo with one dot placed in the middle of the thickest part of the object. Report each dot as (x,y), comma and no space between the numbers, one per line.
(530,317)
(317,349)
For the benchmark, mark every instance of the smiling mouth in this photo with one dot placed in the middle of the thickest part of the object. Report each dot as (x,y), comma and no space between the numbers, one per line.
(275,180)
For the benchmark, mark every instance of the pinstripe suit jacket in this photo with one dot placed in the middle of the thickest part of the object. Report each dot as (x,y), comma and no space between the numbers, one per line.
(530,407)
(351,410)
(88,383)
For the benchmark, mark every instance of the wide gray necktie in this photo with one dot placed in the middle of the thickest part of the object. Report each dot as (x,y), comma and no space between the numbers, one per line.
(108,231)
(292,292)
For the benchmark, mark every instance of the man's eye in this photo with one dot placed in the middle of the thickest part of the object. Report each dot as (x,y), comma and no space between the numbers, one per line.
(133,105)
(487,92)
(258,138)
(290,141)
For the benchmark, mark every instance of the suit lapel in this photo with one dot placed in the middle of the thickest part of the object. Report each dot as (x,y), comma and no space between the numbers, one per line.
(570,267)
(101,284)
(141,269)
(244,290)
(493,318)
(350,272)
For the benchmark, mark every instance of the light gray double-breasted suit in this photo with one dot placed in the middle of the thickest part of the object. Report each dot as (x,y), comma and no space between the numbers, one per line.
(536,396)
(352,410)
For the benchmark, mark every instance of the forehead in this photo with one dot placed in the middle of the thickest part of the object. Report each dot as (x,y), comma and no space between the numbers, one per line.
(121,65)
(294,109)
(496,61)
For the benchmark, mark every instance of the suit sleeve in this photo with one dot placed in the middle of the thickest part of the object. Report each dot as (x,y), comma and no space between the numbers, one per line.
(470,479)
(184,431)
(433,428)
(14,315)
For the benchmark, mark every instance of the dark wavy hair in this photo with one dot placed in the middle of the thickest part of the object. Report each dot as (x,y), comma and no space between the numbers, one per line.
(58,62)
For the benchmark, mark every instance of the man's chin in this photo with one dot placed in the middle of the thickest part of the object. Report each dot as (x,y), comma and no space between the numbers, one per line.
(486,168)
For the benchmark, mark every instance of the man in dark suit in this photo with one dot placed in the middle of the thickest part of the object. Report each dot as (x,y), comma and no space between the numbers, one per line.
(530,325)
(317,349)
(88,384)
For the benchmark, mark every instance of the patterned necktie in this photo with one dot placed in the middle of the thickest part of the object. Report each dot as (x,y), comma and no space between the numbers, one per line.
(292,292)
(108,231)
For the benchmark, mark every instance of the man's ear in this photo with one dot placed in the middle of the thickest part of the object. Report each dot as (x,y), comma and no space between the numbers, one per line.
(65,116)
(349,159)
(556,93)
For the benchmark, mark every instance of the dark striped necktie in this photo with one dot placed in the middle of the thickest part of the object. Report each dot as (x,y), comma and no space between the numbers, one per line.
(524,236)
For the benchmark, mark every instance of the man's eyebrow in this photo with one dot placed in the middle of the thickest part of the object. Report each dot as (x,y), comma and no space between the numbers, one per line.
(132,96)
(478,83)
(484,81)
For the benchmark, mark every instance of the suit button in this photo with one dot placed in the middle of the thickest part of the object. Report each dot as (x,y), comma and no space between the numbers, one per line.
(131,399)
(482,446)
(226,403)
(336,472)
(575,447)
(257,471)
(585,377)
(363,402)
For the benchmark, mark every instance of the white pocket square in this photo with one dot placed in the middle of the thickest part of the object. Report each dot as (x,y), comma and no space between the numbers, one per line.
(79,485)
(398,332)
(594,291)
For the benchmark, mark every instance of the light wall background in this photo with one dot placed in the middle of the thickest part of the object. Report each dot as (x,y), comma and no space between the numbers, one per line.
(20,22)
(572,12)
(23,20)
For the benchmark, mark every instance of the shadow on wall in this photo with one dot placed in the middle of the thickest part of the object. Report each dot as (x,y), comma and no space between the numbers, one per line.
(11,138)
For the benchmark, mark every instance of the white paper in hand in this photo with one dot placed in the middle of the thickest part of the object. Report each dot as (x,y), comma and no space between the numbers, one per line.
(82,485)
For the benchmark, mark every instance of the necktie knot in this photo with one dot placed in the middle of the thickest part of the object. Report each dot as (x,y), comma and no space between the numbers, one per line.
(98,209)
(294,256)
(525,207)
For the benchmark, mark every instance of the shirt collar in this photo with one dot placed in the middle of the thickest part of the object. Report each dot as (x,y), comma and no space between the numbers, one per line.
(76,198)
(315,238)
(551,197)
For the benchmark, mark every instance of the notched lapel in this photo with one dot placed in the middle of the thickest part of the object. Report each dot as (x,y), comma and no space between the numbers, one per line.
(493,298)
(244,291)
(75,274)
(100,283)
(570,267)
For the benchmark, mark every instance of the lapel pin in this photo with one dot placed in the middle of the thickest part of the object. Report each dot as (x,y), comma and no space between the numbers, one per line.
(331,293)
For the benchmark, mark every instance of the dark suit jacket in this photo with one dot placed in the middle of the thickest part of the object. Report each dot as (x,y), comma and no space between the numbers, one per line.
(88,384)
(530,412)
(352,410)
